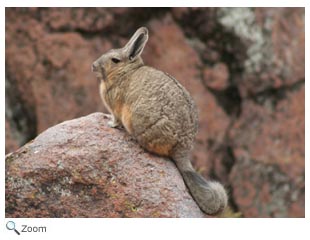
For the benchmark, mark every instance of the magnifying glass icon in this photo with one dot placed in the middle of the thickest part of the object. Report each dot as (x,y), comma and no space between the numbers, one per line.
(10,225)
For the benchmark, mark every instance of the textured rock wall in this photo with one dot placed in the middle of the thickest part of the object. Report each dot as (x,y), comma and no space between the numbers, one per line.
(244,68)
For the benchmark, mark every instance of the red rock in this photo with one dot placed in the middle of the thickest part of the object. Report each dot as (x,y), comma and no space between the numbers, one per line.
(77,18)
(67,85)
(266,138)
(273,136)
(288,39)
(53,69)
(83,168)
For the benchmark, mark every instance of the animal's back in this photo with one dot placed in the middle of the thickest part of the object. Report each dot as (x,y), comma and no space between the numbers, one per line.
(163,114)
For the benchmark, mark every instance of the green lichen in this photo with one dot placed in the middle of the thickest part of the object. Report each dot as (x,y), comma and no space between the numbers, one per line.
(131,206)
(229,213)
(9,158)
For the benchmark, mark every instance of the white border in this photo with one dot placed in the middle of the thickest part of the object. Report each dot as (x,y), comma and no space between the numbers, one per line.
(155,228)
(191,229)
(83,228)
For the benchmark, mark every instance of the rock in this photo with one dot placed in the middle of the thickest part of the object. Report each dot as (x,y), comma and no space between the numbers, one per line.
(219,43)
(83,168)
(216,77)
(273,39)
(267,191)
(10,142)
(77,18)
(269,145)
(53,73)
(287,30)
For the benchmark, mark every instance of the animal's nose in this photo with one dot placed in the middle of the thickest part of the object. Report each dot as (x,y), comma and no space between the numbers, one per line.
(94,67)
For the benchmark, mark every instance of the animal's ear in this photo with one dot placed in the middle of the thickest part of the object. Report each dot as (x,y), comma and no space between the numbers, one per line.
(136,44)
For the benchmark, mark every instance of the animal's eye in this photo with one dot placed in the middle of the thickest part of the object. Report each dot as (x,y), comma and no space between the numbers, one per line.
(115,60)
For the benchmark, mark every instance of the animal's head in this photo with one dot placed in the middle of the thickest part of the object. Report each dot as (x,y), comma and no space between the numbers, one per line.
(125,58)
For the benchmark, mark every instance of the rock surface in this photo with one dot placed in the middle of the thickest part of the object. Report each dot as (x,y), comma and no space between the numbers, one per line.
(83,168)
(244,67)
(269,149)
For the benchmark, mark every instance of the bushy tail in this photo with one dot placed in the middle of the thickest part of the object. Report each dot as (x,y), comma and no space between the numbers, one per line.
(210,196)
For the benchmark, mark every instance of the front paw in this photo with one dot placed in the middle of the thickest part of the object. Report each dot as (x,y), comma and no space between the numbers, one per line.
(113,124)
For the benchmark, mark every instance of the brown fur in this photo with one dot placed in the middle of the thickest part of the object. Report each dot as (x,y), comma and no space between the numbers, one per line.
(158,111)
